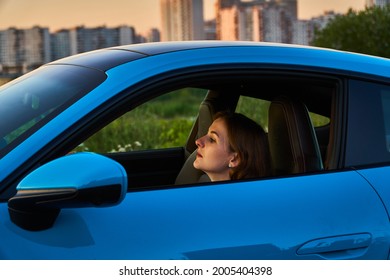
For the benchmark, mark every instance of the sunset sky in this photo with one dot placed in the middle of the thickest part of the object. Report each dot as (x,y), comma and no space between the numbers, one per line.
(141,14)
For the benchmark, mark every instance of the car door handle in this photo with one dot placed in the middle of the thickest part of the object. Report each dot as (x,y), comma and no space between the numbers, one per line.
(337,246)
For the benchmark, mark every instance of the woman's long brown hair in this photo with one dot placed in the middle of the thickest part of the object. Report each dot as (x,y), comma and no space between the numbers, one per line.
(249,140)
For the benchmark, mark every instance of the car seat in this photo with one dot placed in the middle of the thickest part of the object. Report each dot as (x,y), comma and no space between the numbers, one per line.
(189,174)
(292,140)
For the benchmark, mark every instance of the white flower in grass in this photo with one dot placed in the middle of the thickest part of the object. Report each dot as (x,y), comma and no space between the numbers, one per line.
(137,143)
(128,147)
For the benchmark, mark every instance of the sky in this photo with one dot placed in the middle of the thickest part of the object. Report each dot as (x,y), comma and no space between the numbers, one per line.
(141,14)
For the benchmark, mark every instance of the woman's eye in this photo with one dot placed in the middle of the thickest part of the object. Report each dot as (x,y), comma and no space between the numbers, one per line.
(212,140)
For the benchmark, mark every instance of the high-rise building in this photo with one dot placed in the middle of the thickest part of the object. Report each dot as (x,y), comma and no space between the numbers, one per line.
(153,35)
(221,4)
(22,50)
(80,39)
(227,27)
(61,44)
(290,7)
(25,49)
(182,20)
(257,20)
(274,22)
(303,32)
(381,3)
(232,18)
(209,30)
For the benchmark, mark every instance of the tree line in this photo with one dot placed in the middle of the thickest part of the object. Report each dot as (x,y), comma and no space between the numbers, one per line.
(366,32)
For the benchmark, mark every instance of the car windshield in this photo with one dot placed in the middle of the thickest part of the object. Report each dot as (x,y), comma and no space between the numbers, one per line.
(30,101)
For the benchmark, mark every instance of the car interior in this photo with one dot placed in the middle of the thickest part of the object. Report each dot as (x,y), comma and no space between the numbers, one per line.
(293,143)
(296,146)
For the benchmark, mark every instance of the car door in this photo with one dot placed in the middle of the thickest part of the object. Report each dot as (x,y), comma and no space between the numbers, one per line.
(319,216)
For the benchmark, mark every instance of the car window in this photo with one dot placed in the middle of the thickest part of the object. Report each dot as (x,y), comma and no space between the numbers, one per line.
(162,122)
(368,135)
(385,97)
(254,108)
(31,101)
(319,120)
(257,109)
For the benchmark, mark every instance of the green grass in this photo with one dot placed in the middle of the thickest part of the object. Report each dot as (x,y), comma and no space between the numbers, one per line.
(160,123)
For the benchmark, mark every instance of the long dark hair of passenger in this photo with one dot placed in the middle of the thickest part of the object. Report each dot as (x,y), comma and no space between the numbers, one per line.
(249,140)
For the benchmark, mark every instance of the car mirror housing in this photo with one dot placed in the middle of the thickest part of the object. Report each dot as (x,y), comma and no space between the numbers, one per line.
(75,180)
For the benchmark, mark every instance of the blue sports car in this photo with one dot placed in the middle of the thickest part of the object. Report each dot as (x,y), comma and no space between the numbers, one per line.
(96,154)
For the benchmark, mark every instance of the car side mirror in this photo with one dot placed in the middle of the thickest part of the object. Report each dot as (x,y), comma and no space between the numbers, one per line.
(75,180)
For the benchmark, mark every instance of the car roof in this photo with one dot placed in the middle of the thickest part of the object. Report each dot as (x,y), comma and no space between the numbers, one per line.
(105,59)
(164,47)
(108,58)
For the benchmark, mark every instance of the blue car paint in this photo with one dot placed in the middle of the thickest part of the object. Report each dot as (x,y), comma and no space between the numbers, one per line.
(377,177)
(278,54)
(75,171)
(245,220)
(169,224)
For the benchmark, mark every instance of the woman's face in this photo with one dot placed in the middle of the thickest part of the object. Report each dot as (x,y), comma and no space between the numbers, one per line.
(214,154)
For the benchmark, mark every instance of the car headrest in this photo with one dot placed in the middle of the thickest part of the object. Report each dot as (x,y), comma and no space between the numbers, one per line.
(292,139)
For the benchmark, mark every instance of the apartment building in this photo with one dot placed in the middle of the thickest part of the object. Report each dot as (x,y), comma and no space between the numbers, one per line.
(182,20)
(22,50)
(257,20)
(265,21)
(153,35)
(381,3)
(81,39)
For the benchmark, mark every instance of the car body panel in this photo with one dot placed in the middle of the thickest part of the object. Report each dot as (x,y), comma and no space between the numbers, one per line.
(377,178)
(278,53)
(224,221)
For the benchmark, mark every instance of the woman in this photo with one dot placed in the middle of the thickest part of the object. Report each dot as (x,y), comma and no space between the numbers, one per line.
(235,147)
